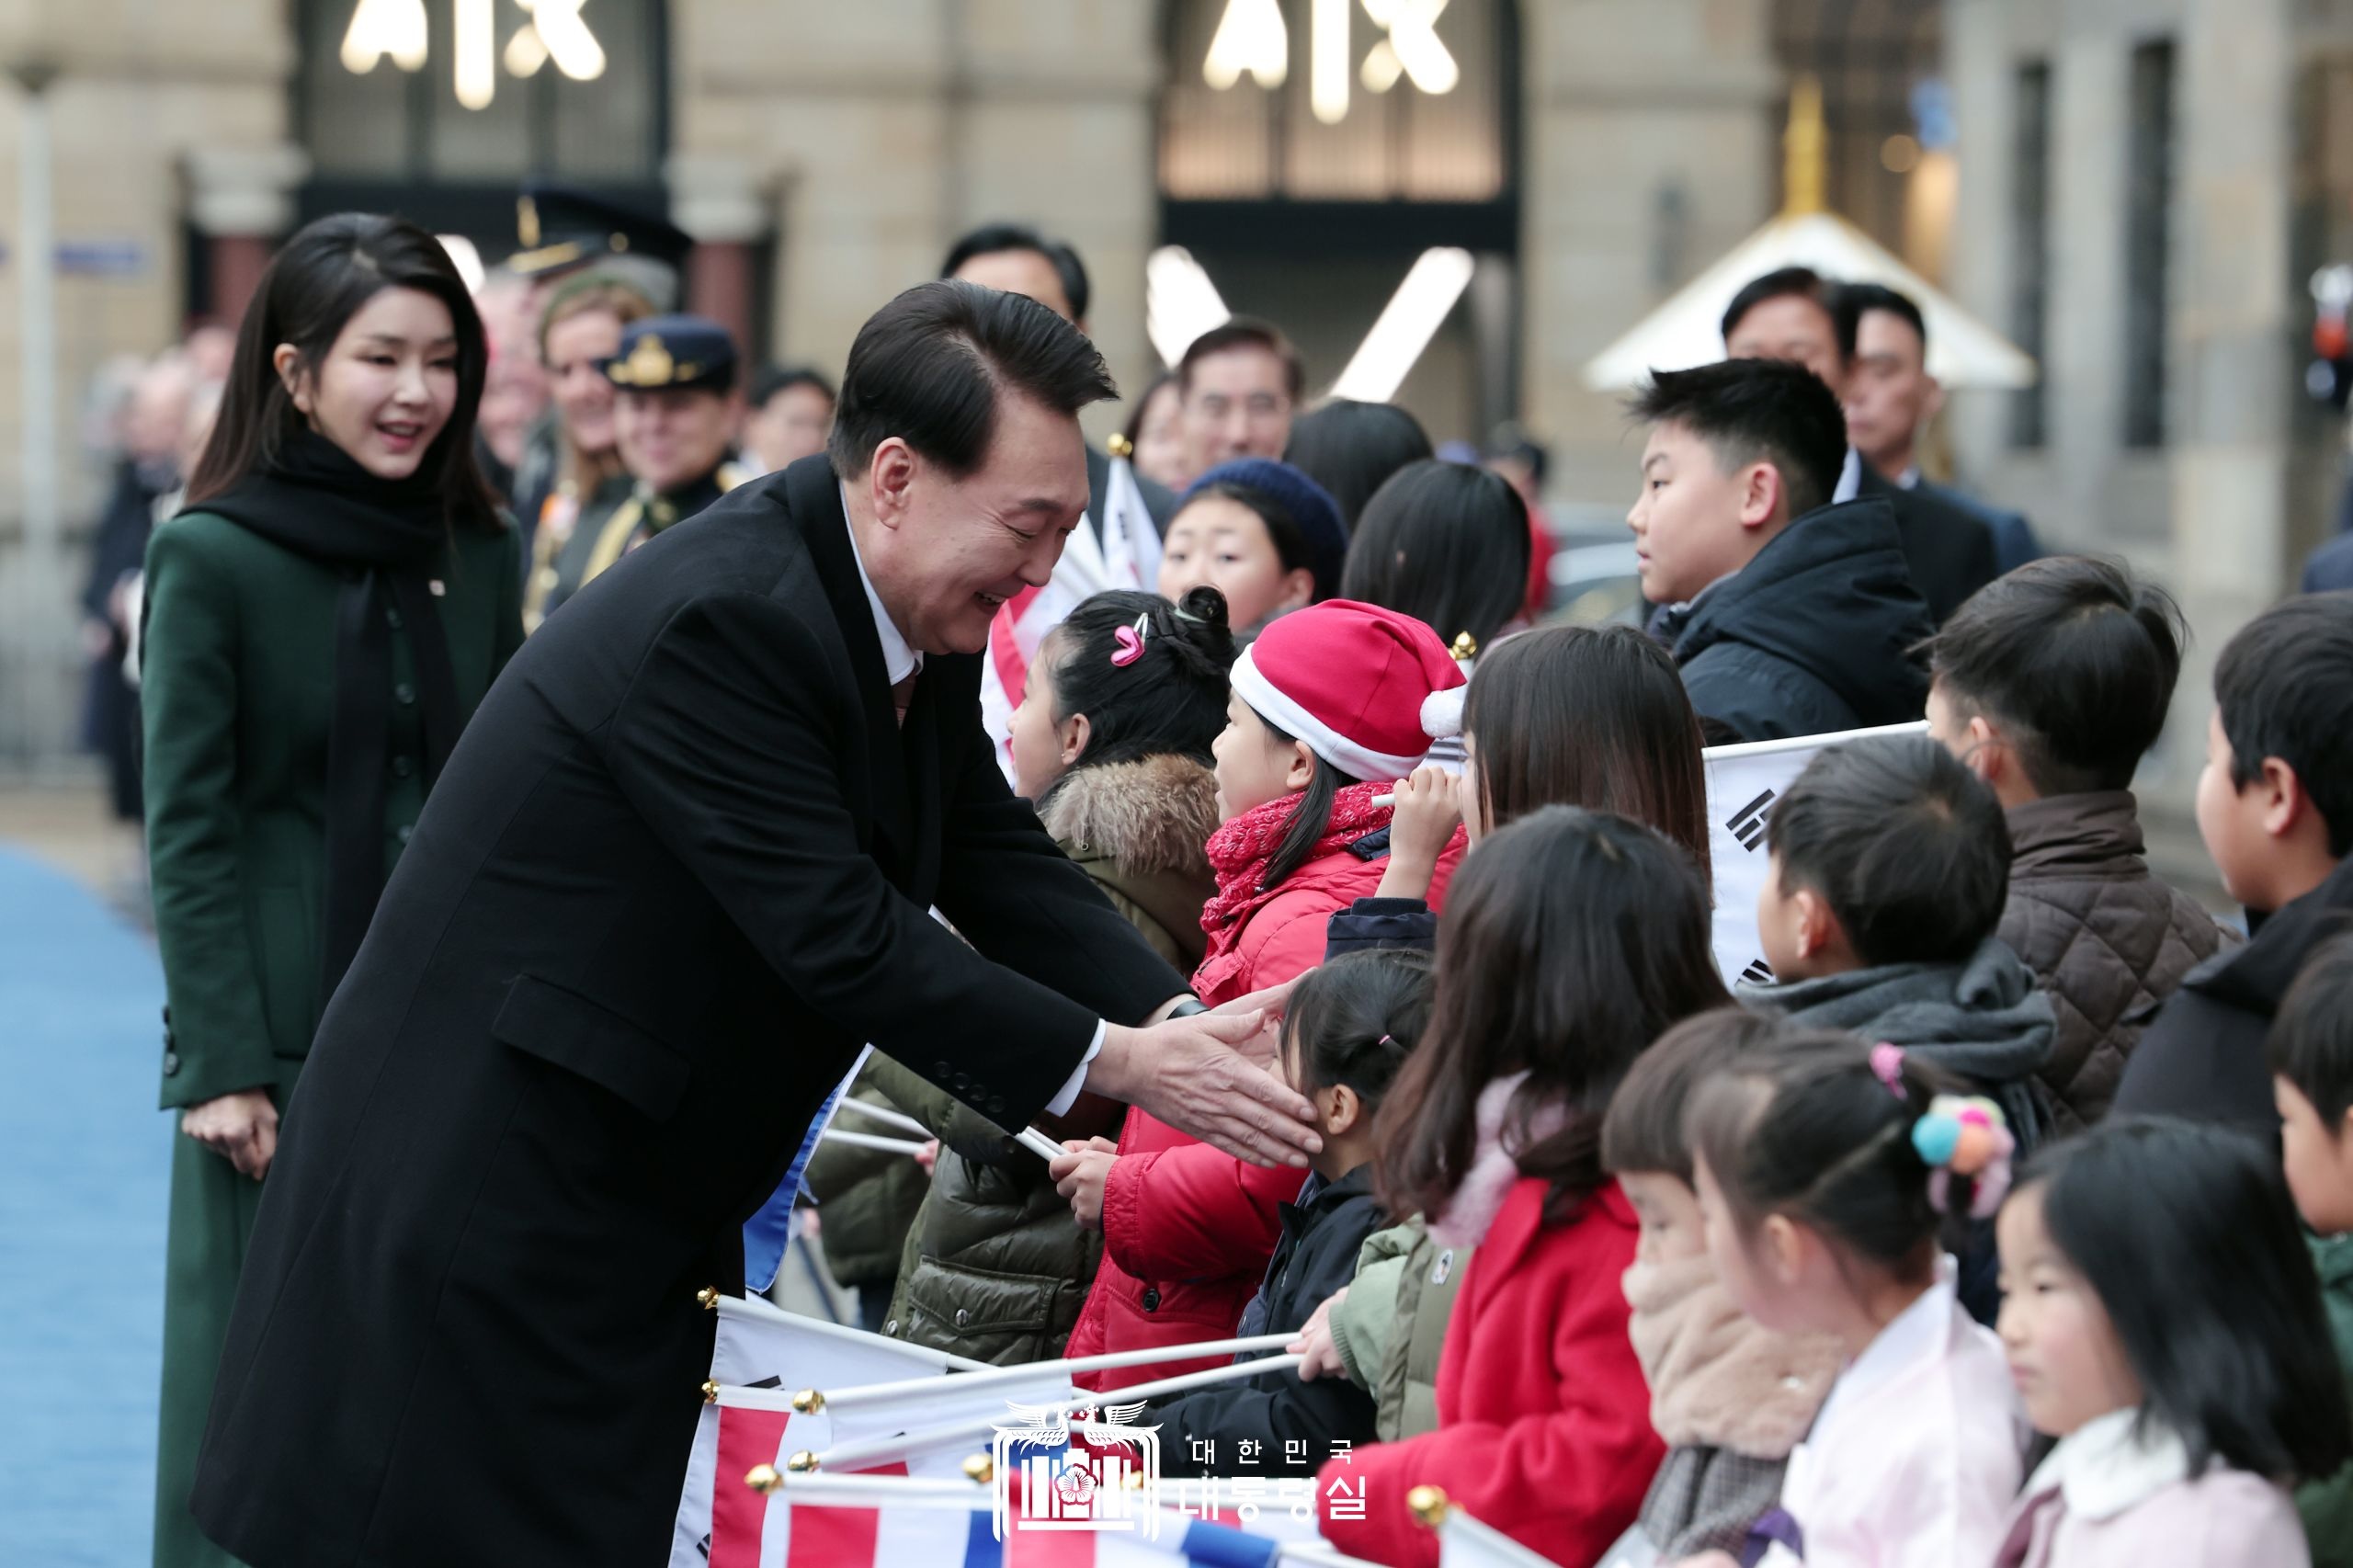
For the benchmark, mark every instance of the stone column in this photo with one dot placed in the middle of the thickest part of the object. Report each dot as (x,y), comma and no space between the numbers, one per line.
(1649,151)
(719,200)
(241,199)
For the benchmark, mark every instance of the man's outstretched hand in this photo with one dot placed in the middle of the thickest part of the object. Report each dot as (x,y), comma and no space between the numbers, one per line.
(1206,1074)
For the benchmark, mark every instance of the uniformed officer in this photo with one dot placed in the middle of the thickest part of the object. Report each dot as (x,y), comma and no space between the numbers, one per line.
(675,413)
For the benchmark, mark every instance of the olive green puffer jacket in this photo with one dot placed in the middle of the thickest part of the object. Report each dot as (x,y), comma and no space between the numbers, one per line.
(995,1268)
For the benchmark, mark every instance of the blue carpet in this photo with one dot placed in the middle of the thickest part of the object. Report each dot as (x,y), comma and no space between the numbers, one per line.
(83,1159)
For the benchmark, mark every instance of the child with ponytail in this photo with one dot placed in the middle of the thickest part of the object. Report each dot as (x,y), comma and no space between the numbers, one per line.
(1329,706)
(2163,1322)
(1826,1171)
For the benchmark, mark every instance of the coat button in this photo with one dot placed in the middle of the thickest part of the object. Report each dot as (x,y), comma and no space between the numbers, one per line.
(402,767)
(1152,1297)
(996,1104)
(405,694)
(941,1069)
(402,832)
(962,1317)
(171,1062)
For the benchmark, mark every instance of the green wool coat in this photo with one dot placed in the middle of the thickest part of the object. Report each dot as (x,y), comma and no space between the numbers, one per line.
(237,689)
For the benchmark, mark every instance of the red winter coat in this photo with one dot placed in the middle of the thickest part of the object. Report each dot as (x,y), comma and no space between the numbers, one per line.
(1187,1228)
(1544,1420)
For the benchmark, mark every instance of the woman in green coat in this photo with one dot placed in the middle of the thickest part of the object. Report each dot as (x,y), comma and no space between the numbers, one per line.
(321,620)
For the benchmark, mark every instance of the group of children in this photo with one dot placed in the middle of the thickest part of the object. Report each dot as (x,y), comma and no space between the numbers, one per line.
(1865,1266)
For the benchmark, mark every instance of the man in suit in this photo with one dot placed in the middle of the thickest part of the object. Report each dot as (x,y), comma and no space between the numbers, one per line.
(674,873)
(1794,313)
(1891,395)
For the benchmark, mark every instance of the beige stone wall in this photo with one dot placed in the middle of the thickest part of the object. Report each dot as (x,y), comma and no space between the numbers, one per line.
(141,84)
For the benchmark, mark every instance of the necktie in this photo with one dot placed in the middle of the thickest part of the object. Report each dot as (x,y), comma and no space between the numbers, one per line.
(902,694)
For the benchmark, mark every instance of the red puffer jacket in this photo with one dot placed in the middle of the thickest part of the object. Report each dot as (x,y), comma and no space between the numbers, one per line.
(1187,1228)
(1544,1419)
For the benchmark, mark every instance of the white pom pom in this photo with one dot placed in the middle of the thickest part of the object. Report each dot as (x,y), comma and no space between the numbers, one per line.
(1442,712)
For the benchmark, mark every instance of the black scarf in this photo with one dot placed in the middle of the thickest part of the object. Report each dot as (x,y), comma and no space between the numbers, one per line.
(388,537)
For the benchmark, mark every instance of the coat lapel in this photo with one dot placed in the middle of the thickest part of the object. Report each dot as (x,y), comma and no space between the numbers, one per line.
(813,497)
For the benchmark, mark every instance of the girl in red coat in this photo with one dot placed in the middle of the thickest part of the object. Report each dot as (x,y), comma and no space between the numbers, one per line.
(1330,705)
(1575,938)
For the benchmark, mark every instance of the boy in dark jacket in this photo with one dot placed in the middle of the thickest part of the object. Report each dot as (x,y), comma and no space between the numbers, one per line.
(2275,807)
(1787,615)
(1351,1024)
(1890,862)
(2050,684)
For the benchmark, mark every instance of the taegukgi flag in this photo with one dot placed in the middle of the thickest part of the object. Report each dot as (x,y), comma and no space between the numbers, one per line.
(1744,782)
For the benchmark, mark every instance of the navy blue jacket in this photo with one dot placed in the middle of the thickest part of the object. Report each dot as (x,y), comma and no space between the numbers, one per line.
(1813,635)
(2331,567)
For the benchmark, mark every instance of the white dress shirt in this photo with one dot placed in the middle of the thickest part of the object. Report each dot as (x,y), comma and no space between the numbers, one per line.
(900,660)
(1850,477)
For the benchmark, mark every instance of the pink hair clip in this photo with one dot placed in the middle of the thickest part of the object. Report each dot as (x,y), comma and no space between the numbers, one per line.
(1887,1066)
(1129,641)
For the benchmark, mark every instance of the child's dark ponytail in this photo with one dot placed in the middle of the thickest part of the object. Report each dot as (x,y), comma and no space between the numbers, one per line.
(1868,1144)
(1356,1019)
(1149,675)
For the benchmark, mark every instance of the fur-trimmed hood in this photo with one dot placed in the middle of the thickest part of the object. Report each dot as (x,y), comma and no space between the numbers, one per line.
(1147,817)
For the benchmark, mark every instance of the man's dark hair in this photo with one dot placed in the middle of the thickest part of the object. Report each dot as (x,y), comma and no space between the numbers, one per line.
(1907,845)
(990,239)
(1798,283)
(1244,331)
(775,379)
(1854,300)
(2284,685)
(2073,660)
(2311,1043)
(1748,411)
(929,366)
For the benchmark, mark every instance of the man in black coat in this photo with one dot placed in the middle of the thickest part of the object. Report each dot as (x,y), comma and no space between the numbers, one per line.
(674,873)
(1796,314)
(1786,614)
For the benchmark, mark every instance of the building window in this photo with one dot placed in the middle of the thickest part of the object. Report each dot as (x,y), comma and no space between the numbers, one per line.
(396,126)
(2030,244)
(1337,100)
(2149,182)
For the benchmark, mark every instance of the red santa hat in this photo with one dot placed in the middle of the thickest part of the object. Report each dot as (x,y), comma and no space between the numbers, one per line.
(1366,688)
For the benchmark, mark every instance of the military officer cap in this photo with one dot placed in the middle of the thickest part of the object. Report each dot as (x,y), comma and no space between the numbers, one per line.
(560,228)
(674,351)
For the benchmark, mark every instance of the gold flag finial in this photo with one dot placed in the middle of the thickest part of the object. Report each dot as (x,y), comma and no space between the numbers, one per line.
(1430,1504)
(710,1391)
(801,1463)
(808,1401)
(1806,150)
(1465,647)
(763,1478)
(979,1469)
(709,1297)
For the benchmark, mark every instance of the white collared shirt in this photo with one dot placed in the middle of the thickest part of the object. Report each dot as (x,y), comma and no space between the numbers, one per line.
(1850,477)
(900,660)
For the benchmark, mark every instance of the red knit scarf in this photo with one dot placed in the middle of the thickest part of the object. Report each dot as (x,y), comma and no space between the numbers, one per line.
(1239,850)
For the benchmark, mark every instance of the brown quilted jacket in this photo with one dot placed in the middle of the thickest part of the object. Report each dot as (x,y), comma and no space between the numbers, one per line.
(2107,939)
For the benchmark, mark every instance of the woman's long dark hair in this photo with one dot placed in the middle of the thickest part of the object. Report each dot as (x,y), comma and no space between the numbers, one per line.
(1444,543)
(1572,940)
(1303,829)
(1592,717)
(309,291)
(2189,1237)
(1351,449)
(1171,698)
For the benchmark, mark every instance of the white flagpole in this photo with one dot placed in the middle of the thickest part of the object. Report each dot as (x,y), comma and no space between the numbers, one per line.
(849,1456)
(868,1140)
(892,1118)
(871,1396)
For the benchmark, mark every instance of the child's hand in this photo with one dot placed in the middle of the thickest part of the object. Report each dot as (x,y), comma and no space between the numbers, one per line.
(1425,816)
(1079,1175)
(928,1156)
(1314,1342)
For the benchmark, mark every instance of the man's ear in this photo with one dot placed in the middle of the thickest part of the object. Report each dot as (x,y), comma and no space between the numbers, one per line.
(1932,402)
(1989,754)
(890,478)
(1302,772)
(1763,499)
